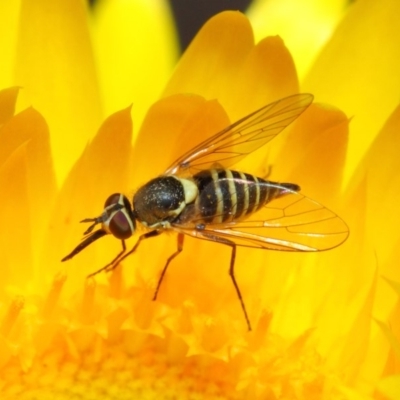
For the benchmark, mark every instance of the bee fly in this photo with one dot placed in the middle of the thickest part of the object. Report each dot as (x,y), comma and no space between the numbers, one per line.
(199,196)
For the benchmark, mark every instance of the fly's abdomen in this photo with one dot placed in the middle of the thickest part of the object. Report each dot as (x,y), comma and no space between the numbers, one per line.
(226,195)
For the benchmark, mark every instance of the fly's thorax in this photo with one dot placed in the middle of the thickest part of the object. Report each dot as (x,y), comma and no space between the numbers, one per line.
(161,200)
(117,218)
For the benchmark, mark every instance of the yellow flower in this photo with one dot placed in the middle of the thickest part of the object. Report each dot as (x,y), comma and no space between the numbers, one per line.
(325,325)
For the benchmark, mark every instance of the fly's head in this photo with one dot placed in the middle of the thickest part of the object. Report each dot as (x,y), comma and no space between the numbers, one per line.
(116,219)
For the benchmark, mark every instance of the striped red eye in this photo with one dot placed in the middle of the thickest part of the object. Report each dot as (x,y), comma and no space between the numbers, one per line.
(114,199)
(121,223)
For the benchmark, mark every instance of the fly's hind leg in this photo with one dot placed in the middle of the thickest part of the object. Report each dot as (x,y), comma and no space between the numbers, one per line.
(180,238)
(232,275)
(121,255)
(232,245)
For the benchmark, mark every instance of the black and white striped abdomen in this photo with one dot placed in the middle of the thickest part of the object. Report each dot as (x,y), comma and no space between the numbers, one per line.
(226,195)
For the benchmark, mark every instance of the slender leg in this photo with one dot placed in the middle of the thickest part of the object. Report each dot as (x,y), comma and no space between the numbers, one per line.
(231,270)
(121,256)
(105,268)
(170,258)
(232,275)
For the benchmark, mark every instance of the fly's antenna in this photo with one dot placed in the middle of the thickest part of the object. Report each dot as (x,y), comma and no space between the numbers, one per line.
(95,221)
(102,218)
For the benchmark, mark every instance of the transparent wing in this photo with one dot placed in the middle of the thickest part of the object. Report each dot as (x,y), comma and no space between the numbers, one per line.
(244,136)
(292,222)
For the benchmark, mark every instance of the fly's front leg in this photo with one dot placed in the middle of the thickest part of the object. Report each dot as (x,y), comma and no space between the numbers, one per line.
(232,245)
(121,255)
(111,265)
(170,258)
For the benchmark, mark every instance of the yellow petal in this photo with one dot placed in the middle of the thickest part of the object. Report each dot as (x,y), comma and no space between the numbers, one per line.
(382,187)
(316,147)
(213,56)
(9,29)
(358,71)
(389,387)
(8,98)
(101,170)
(55,66)
(7,324)
(391,338)
(305,25)
(136,49)
(15,214)
(188,119)
(223,56)
(28,130)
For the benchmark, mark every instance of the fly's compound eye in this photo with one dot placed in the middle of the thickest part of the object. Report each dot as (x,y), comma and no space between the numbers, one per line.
(120,225)
(121,222)
(114,199)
